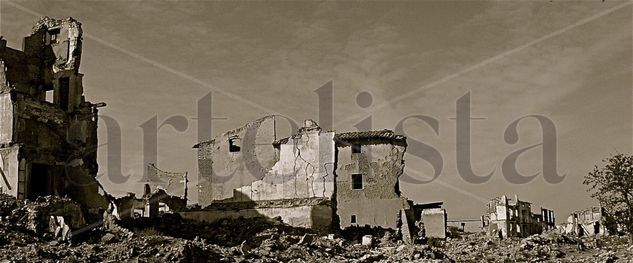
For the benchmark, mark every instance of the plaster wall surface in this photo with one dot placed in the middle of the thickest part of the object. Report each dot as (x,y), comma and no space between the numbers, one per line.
(9,164)
(588,222)
(304,170)
(378,203)
(434,222)
(221,170)
(317,217)
(6,118)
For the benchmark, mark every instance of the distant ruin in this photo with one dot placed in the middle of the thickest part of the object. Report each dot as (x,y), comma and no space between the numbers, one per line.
(593,221)
(514,218)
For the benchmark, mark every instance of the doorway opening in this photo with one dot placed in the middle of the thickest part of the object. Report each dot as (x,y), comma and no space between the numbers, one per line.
(39,183)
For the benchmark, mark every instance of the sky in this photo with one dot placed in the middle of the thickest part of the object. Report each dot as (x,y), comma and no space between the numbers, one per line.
(569,61)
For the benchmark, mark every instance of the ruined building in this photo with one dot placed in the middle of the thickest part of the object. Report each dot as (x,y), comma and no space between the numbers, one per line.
(165,192)
(589,222)
(316,179)
(514,218)
(48,131)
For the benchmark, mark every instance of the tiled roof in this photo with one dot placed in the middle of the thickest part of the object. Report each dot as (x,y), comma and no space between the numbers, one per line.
(385,135)
(368,135)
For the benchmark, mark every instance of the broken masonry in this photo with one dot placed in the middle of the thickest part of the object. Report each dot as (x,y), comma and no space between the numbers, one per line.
(507,217)
(48,130)
(593,221)
(316,179)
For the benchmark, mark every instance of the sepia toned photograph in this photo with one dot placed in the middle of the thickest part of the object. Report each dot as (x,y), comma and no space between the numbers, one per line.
(316,131)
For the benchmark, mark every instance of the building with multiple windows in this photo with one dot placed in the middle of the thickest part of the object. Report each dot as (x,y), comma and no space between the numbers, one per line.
(514,218)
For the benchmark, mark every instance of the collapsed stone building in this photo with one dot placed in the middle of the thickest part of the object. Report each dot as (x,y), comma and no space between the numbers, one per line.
(593,221)
(48,130)
(514,218)
(315,179)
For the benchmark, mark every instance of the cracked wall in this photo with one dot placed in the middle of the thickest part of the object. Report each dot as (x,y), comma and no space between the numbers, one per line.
(308,180)
(304,170)
(378,203)
(297,185)
(221,170)
(264,169)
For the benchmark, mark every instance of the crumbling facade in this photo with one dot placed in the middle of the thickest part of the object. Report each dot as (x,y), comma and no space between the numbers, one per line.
(514,218)
(368,166)
(592,221)
(48,131)
(315,179)
(247,172)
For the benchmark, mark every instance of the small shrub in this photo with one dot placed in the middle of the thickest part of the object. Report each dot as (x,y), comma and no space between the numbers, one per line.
(150,231)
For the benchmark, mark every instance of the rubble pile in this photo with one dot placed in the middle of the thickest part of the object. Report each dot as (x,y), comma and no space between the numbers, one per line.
(170,238)
(36,215)
(143,249)
(173,239)
(546,247)
(25,236)
(269,240)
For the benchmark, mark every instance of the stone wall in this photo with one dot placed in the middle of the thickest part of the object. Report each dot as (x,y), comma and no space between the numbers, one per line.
(10,165)
(588,222)
(310,164)
(301,166)
(222,169)
(378,203)
(434,220)
(304,170)
(311,215)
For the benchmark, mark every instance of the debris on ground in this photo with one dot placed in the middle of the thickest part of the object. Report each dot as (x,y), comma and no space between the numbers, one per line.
(170,238)
(546,247)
